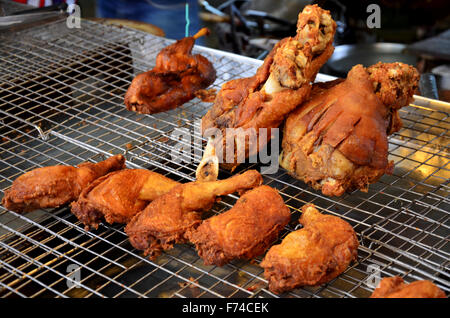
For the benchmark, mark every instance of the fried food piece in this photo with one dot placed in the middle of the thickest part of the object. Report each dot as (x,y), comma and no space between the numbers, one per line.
(313,255)
(394,84)
(175,79)
(165,221)
(245,231)
(119,195)
(206,95)
(337,141)
(264,100)
(51,187)
(395,287)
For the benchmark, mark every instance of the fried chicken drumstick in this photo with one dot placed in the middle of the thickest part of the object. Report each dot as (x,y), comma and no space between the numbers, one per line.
(263,101)
(313,255)
(337,141)
(51,187)
(395,287)
(173,81)
(245,231)
(164,221)
(119,195)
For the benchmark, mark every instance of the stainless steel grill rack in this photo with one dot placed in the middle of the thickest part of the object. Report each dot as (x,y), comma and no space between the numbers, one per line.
(61,102)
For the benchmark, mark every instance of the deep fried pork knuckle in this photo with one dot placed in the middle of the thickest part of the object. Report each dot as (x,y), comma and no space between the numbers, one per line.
(337,141)
(264,100)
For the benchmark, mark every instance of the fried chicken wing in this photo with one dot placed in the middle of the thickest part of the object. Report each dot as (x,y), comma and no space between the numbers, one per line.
(313,255)
(395,287)
(118,196)
(245,231)
(255,105)
(53,186)
(337,141)
(174,80)
(164,221)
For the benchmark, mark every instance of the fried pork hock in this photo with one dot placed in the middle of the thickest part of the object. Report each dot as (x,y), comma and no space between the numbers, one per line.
(175,79)
(313,255)
(165,221)
(243,232)
(264,100)
(395,287)
(337,141)
(119,195)
(51,187)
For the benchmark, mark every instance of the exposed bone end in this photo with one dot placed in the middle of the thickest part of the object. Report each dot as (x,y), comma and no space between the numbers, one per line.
(394,83)
(332,187)
(289,64)
(208,169)
(316,27)
(272,86)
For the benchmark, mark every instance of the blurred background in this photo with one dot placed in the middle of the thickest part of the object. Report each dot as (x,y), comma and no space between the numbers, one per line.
(411,31)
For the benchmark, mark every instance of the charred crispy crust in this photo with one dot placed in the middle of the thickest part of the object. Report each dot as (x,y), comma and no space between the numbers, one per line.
(394,83)
(300,58)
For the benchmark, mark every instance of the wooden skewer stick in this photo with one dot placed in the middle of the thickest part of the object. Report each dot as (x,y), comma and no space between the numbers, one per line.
(201,32)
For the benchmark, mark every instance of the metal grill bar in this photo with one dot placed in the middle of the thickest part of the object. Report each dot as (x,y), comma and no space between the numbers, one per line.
(61,102)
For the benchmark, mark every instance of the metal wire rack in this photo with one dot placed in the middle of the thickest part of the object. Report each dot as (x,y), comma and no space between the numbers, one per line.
(61,102)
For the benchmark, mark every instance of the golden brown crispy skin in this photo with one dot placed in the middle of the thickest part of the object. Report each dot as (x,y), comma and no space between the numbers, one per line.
(245,231)
(119,195)
(395,287)
(165,221)
(53,186)
(279,86)
(337,141)
(175,79)
(394,84)
(313,255)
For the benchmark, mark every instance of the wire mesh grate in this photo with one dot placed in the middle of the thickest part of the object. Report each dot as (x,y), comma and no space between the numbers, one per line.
(61,97)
